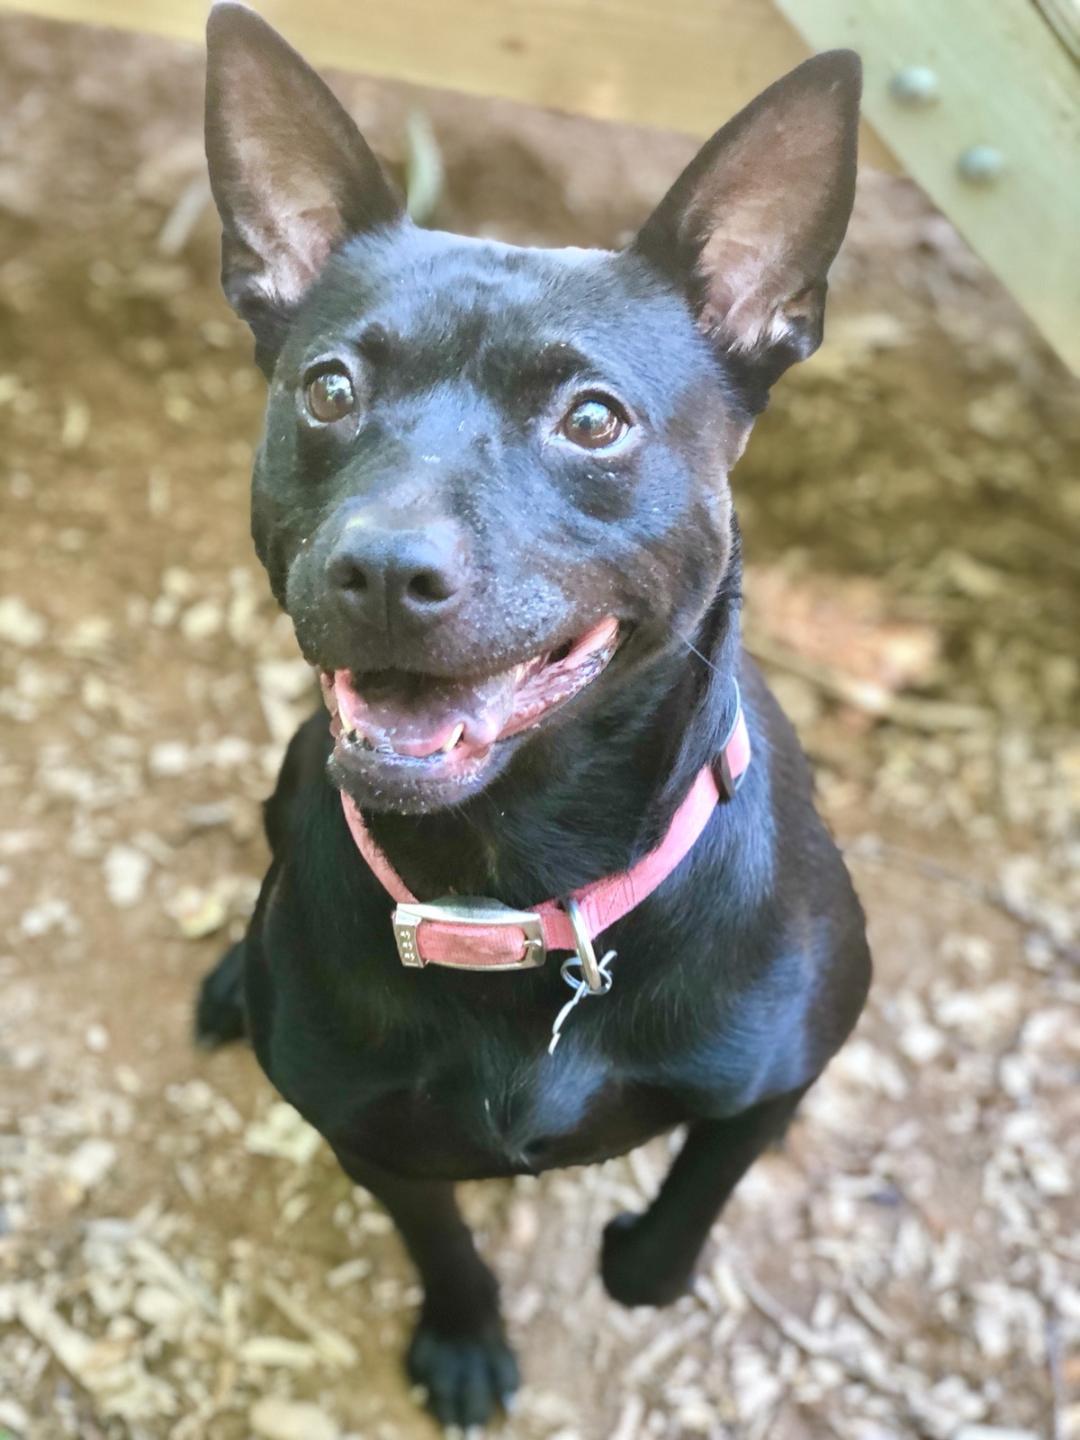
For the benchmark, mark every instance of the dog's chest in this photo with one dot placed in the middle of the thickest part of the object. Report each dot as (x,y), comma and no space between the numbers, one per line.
(493,1110)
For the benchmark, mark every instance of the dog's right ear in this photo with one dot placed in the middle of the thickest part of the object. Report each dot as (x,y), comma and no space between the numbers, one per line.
(291,174)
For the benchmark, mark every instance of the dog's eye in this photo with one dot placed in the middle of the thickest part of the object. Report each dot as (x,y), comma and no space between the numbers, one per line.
(330,396)
(594,423)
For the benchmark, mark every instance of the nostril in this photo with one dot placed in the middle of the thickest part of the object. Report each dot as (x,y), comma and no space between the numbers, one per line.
(430,587)
(355,581)
(344,572)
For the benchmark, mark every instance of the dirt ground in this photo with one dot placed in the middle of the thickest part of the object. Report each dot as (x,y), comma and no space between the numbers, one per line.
(179,1256)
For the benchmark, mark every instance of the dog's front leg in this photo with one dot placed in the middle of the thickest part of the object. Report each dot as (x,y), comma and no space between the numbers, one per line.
(650,1259)
(219,1013)
(459,1351)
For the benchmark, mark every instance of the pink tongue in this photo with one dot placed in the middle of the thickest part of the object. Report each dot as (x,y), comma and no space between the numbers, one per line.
(416,716)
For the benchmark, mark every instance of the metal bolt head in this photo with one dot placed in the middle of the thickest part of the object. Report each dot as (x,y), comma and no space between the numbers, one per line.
(915,86)
(981,165)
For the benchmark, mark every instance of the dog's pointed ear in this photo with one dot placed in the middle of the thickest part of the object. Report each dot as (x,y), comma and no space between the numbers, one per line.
(752,225)
(291,174)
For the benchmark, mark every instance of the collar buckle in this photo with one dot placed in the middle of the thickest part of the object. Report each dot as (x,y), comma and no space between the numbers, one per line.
(468,911)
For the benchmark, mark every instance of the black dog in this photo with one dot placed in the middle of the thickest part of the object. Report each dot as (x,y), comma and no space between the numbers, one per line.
(492,495)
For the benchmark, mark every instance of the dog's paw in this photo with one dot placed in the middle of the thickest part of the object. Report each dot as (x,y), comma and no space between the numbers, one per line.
(467,1377)
(634,1268)
(219,1010)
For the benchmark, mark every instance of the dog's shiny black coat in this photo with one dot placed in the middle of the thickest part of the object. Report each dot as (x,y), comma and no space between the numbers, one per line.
(738,978)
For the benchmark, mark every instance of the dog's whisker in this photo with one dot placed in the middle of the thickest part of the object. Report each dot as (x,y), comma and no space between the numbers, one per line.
(695,651)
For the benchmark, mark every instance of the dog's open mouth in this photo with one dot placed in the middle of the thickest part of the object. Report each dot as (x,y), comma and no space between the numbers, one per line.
(433,725)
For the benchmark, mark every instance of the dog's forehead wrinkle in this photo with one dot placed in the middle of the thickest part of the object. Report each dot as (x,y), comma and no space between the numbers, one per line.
(449,275)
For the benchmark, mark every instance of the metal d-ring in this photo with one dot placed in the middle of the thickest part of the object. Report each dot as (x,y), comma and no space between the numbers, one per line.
(591,973)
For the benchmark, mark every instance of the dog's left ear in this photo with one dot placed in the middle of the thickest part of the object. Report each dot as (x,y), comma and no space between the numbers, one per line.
(291,174)
(750,228)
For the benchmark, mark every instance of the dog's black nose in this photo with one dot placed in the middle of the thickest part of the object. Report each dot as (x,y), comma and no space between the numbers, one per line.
(386,574)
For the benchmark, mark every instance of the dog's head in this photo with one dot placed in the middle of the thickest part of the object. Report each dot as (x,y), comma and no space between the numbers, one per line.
(491,478)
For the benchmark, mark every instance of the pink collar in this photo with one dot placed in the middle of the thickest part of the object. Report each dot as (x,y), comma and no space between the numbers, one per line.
(474,934)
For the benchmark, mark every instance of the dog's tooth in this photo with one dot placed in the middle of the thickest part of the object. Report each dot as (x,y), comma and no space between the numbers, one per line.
(458,732)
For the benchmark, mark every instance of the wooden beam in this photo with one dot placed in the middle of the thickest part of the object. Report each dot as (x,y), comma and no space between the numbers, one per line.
(1003,80)
(682,65)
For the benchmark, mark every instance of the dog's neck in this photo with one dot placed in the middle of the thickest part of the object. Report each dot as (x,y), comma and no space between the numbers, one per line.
(593,796)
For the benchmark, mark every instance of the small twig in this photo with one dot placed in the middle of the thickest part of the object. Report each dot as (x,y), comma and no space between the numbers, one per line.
(789,1325)
(804,1338)
(879,852)
(183,217)
(424,171)
(870,697)
(630,1418)
(647,1361)
(1058,1395)
(166,1270)
(872,1314)
(331,1344)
